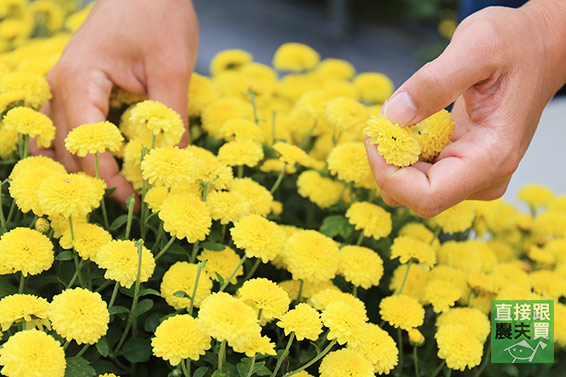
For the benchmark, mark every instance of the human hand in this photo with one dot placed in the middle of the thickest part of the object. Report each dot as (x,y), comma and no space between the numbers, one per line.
(501,68)
(142,46)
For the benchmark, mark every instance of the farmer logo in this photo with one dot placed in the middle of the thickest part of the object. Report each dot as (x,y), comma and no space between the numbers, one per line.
(522,331)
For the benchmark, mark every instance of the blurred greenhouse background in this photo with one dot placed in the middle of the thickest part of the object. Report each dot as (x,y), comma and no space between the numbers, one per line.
(394,37)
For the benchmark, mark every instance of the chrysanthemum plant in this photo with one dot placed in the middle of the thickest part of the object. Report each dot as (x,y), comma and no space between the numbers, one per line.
(261,249)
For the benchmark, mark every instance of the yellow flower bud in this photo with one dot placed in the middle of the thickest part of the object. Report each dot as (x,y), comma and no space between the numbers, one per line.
(416,338)
(42,225)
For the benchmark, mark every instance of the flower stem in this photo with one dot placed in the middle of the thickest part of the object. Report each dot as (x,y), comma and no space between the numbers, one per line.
(2,218)
(252,365)
(485,359)
(227,281)
(11,212)
(199,269)
(405,277)
(130,202)
(221,355)
(103,206)
(283,355)
(240,171)
(66,344)
(22,281)
(355,291)
(160,234)
(253,269)
(416,361)
(314,360)
(437,370)
(134,302)
(193,256)
(400,340)
(360,238)
(83,350)
(186,371)
(165,248)
(300,293)
(114,294)
(279,178)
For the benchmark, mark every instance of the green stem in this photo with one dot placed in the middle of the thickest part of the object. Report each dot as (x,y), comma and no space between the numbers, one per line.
(300,293)
(199,269)
(253,269)
(221,355)
(227,281)
(254,107)
(437,370)
(25,147)
(103,205)
(11,212)
(314,360)
(273,114)
(485,359)
(448,373)
(416,361)
(2,218)
(83,350)
(252,365)
(279,178)
(283,355)
(355,291)
(160,234)
(22,281)
(103,286)
(66,344)
(470,297)
(405,277)
(78,266)
(132,314)
(193,256)
(223,233)
(130,202)
(186,371)
(240,171)
(400,341)
(360,238)
(114,294)
(165,248)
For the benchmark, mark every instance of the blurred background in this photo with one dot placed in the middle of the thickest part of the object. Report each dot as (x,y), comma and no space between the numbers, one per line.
(395,37)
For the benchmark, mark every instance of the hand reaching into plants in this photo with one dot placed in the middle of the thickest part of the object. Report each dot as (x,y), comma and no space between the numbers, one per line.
(142,46)
(501,68)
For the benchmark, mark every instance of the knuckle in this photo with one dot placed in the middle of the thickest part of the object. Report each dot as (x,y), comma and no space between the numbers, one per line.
(427,208)
(432,83)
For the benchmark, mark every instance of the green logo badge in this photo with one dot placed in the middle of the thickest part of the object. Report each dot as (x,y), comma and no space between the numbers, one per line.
(522,331)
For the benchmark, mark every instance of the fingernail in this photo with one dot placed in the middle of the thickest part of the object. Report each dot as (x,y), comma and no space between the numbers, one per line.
(400,109)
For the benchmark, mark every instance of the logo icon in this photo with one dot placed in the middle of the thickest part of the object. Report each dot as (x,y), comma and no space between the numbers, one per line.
(524,351)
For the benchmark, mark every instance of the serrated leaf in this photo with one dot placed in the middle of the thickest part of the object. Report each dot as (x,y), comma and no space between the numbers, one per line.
(182,294)
(102,347)
(118,222)
(212,246)
(136,350)
(149,291)
(336,225)
(65,255)
(118,310)
(144,306)
(78,367)
(200,372)
(109,191)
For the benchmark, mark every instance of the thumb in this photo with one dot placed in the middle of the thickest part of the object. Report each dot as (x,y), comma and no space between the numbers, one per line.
(439,83)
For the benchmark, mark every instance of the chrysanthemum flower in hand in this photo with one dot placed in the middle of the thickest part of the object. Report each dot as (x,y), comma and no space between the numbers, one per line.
(434,133)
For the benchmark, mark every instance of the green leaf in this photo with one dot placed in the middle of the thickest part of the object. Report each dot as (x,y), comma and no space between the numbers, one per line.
(243,368)
(65,255)
(218,373)
(152,322)
(109,191)
(136,350)
(259,368)
(336,225)
(144,306)
(118,310)
(212,246)
(102,347)
(149,291)
(182,294)
(118,222)
(6,287)
(220,278)
(262,370)
(200,372)
(78,367)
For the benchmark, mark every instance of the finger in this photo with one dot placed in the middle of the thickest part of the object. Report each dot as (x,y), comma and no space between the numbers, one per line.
(36,150)
(493,192)
(389,200)
(170,86)
(438,83)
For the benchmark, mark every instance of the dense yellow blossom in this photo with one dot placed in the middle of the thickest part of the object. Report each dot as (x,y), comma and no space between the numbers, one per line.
(373,220)
(120,259)
(25,250)
(360,266)
(345,322)
(336,69)
(472,318)
(171,167)
(178,338)
(536,196)
(35,88)
(303,320)
(460,255)
(86,239)
(441,294)
(265,296)
(378,347)
(434,133)
(415,283)
(240,152)
(201,93)
(349,162)
(308,288)
(345,362)
(258,237)
(222,263)
(407,248)
(292,154)
(322,191)
(458,346)
(456,219)
(26,121)
(373,87)
(325,297)
(227,206)
(259,199)
(295,57)
(159,119)
(185,215)
(93,138)
(216,113)
(33,311)
(229,59)
(181,276)
(345,114)
(401,311)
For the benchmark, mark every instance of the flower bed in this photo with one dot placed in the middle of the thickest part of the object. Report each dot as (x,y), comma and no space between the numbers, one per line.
(261,249)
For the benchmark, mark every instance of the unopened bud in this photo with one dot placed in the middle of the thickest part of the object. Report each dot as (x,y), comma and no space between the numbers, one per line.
(42,225)
(416,338)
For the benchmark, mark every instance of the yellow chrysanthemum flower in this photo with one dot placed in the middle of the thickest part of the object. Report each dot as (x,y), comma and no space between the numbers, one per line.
(241,152)
(292,154)
(472,318)
(179,338)
(295,57)
(276,166)
(28,174)
(550,224)
(303,320)
(259,237)
(80,315)
(265,296)
(181,276)
(340,88)
(26,121)
(242,129)
(536,196)
(311,256)
(460,255)
(560,326)
(407,248)
(32,353)
(69,195)
(416,338)
(94,138)
(451,275)
(224,317)
(349,162)
(88,239)
(219,111)
(373,220)
(222,263)
(155,196)
(401,311)
(311,106)
(11,98)
(25,250)
(261,345)
(397,145)
(120,97)
(160,119)
(185,215)
(171,167)
(459,346)
(360,266)
(373,87)
(345,322)
(218,174)
(8,142)
(346,114)
(441,294)
(120,259)
(420,232)
(415,283)
(34,86)
(259,199)
(378,347)
(227,206)
(434,133)
(458,218)
(345,362)
(29,309)
(336,68)
(309,288)
(325,297)
(201,93)
(322,191)
(549,284)
(229,59)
